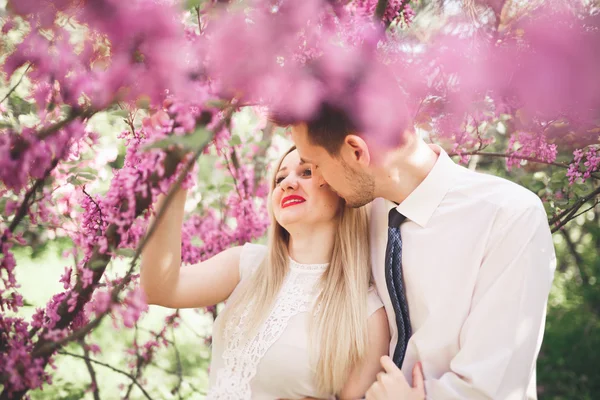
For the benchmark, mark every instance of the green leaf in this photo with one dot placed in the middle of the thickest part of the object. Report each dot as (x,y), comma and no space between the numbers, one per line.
(95,264)
(561,202)
(235,140)
(120,113)
(5,124)
(86,175)
(3,202)
(196,140)
(558,177)
(126,252)
(216,104)
(74,181)
(582,189)
(189,4)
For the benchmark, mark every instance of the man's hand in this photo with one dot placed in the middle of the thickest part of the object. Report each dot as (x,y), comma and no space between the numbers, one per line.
(392,384)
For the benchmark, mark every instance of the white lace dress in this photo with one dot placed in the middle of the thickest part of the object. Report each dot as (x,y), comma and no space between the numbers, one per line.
(276,363)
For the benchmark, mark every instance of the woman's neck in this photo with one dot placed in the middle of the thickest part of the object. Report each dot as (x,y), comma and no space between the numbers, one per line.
(312,246)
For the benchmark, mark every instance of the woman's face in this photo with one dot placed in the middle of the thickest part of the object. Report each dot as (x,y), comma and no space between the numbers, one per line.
(298,198)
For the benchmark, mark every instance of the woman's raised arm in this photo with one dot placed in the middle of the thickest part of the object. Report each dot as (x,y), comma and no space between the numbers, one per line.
(168,284)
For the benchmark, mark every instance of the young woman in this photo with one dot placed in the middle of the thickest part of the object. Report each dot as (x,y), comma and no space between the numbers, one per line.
(301,318)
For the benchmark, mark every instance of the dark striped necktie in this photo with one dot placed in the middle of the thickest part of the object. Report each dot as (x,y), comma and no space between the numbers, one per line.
(395,284)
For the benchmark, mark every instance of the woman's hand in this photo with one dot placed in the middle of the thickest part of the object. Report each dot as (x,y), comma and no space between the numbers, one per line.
(392,384)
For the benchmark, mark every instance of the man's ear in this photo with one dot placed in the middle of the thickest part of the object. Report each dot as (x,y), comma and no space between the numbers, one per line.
(357,149)
(317,174)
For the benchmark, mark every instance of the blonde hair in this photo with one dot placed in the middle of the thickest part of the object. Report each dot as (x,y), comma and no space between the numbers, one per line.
(338,331)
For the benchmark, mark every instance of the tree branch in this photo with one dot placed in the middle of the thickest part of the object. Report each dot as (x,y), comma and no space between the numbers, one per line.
(138,363)
(133,379)
(575,254)
(380,9)
(518,157)
(564,217)
(72,116)
(507,155)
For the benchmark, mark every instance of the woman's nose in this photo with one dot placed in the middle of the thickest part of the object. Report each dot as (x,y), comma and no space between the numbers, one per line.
(289,183)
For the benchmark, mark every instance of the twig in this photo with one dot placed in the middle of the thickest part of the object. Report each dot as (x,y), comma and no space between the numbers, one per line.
(16,85)
(138,362)
(579,262)
(199,20)
(90,367)
(192,329)
(177,388)
(134,380)
(567,215)
(587,209)
(515,156)
(259,157)
(508,155)
(233,172)
(22,211)
(95,203)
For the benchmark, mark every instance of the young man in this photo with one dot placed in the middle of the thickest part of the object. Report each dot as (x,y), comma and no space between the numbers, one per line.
(463,265)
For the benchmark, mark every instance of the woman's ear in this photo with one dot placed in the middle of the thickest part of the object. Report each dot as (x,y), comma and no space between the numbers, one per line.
(358,149)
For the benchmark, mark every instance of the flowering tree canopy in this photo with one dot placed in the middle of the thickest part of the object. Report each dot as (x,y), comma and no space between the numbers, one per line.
(505,80)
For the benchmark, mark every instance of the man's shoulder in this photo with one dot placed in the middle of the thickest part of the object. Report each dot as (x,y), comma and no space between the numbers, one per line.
(499,193)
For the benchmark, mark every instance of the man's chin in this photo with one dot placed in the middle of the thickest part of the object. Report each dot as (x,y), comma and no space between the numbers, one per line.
(357,203)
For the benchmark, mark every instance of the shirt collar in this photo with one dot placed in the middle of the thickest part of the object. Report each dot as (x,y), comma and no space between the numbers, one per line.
(420,205)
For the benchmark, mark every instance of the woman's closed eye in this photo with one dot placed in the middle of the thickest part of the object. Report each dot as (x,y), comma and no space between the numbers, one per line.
(279,179)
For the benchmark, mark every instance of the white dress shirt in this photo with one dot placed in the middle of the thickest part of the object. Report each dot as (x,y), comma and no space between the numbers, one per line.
(478,262)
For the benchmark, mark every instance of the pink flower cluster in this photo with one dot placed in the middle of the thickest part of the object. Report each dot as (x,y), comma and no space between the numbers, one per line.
(142,35)
(16,362)
(394,9)
(132,307)
(24,156)
(244,219)
(9,299)
(529,145)
(585,163)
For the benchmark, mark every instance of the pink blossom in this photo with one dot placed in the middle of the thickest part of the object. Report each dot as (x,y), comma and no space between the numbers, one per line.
(133,306)
(66,278)
(531,145)
(580,170)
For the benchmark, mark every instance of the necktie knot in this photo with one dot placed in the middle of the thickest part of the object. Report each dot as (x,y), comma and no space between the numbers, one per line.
(395,219)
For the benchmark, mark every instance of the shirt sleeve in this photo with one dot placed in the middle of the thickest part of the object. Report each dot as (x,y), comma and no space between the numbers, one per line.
(251,257)
(501,337)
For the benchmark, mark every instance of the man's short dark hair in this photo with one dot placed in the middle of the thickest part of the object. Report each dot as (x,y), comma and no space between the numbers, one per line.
(328,127)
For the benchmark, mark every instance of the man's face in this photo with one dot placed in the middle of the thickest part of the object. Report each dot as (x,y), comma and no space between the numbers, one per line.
(342,173)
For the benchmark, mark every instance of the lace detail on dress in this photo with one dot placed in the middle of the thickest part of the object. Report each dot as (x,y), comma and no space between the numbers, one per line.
(241,357)
(310,267)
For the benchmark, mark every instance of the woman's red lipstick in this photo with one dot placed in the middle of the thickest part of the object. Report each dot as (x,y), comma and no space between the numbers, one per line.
(292,200)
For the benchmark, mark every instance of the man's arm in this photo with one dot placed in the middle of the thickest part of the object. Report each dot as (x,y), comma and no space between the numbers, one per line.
(502,335)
